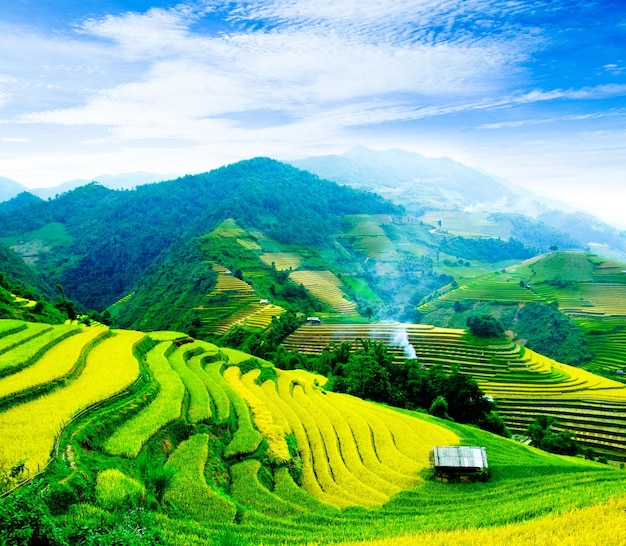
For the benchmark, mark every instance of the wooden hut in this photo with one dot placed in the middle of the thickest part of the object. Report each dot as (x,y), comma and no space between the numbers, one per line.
(455,462)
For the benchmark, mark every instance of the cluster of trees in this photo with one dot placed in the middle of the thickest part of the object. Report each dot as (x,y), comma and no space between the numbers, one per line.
(549,332)
(543,436)
(488,249)
(485,325)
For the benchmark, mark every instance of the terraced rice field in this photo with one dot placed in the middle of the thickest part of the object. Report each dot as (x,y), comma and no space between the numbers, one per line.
(342,469)
(507,291)
(282,260)
(515,376)
(368,237)
(231,302)
(325,286)
(30,426)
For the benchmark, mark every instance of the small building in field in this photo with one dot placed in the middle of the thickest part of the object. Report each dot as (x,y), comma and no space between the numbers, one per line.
(313,321)
(455,462)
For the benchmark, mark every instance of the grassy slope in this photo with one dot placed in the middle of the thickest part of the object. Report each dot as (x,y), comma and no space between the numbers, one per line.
(270,507)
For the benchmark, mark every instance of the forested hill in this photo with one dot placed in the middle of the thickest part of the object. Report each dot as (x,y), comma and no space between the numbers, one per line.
(112,236)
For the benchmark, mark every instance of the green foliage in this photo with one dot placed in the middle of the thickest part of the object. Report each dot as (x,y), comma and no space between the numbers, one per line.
(485,326)
(173,285)
(488,250)
(156,476)
(439,408)
(25,520)
(549,332)
(543,437)
(91,526)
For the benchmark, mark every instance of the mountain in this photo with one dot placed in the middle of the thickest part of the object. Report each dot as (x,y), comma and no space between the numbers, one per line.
(20,201)
(466,200)
(123,181)
(415,181)
(105,239)
(9,188)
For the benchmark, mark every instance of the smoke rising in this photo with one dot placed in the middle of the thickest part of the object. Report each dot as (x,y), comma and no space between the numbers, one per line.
(401,339)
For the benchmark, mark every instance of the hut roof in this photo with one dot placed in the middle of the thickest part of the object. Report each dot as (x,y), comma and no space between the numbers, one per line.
(459,457)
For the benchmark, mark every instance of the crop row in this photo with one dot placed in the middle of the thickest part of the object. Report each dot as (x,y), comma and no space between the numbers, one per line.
(504,371)
(29,429)
(129,438)
(325,286)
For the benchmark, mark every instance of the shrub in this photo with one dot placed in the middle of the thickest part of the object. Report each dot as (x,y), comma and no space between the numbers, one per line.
(115,490)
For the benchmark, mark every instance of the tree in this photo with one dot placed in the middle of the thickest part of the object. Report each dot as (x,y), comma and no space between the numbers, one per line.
(543,437)
(485,326)
(439,408)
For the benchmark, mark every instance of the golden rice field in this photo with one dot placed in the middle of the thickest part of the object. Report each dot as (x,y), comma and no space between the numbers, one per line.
(516,377)
(593,526)
(29,430)
(282,260)
(325,286)
(280,460)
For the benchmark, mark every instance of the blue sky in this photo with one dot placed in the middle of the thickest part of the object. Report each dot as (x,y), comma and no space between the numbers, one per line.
(531,90)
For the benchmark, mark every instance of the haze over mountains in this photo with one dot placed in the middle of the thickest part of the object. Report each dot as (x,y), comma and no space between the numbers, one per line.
(418,183)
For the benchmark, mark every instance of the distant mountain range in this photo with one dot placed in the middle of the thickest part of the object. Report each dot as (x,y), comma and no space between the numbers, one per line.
(417,182)
(124,181)
(424,184)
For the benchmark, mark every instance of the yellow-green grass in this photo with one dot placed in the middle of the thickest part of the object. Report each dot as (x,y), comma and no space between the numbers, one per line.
(361,287)
(248,243)
(115,490)
(31,347)
(592,526)
(246,438)
(189,491)
(18,332)
(216,386)
(29,430)
(24,302)
(248,491)
(228,228)
(282,260)
(325,286)
(262,416)
(129,438)
(166,335)
(53,364)
(199,402)
(10,326)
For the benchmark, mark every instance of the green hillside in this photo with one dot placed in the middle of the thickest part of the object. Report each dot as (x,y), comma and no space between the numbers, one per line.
(180,441)
(112,237)
(567,305)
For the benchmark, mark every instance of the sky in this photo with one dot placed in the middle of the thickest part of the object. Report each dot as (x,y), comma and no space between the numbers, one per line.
(533,91)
